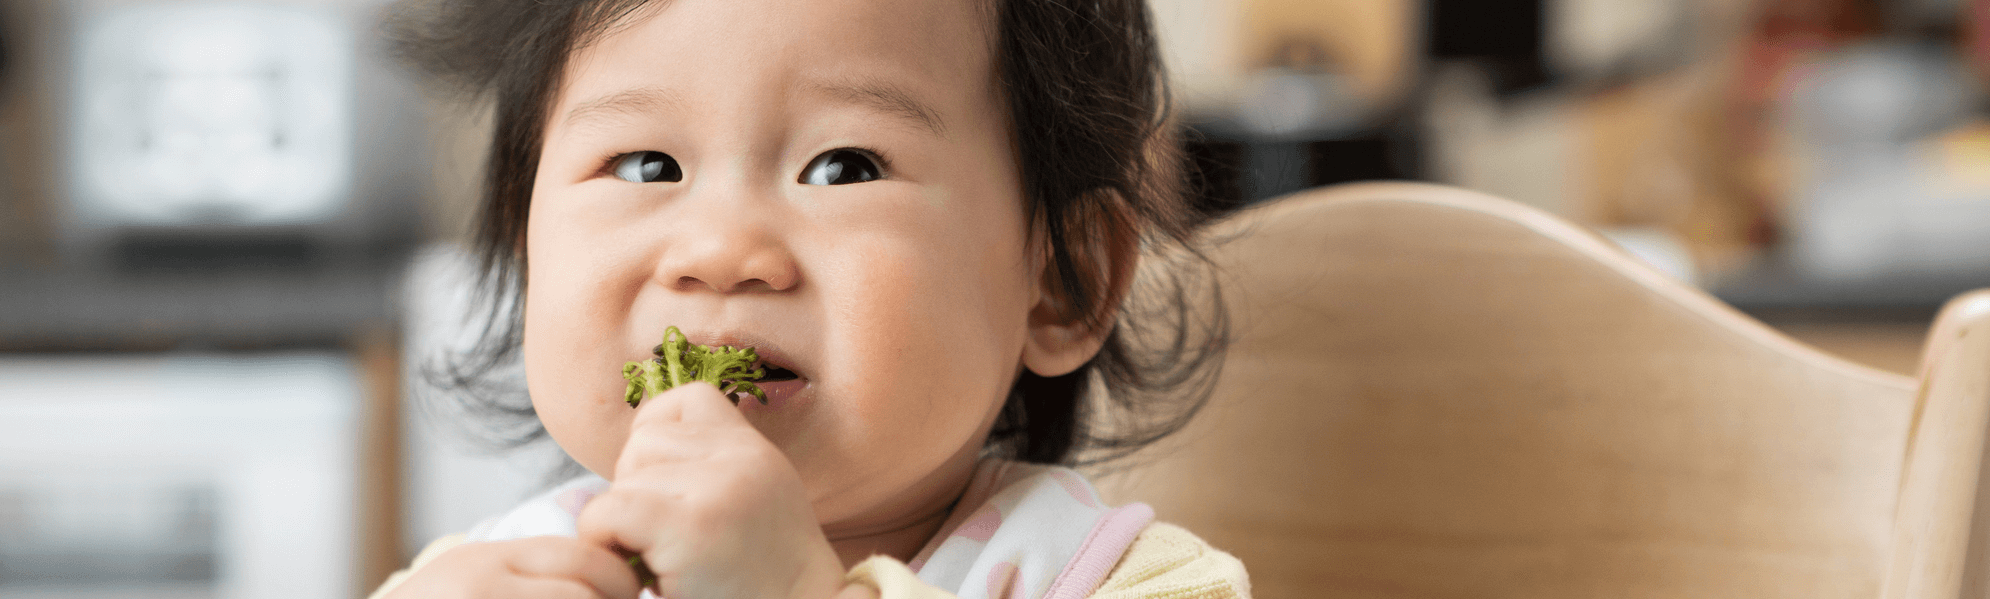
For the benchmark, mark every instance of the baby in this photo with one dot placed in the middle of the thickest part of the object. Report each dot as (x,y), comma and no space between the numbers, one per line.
(924,215)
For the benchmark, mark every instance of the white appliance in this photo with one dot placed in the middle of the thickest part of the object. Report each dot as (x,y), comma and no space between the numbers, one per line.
(1877,201)
(237,114)
(178,476)
(200,124)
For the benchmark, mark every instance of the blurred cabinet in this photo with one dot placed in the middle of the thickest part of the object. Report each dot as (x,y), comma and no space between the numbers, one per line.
(179,475)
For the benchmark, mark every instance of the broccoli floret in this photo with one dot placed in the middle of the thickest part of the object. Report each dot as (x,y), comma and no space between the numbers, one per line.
(679,361)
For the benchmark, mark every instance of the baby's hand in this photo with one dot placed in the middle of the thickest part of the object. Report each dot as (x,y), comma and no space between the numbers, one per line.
(715,510)
(534,568)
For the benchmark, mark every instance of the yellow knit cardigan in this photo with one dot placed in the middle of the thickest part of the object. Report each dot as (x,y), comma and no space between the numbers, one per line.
(1164,562)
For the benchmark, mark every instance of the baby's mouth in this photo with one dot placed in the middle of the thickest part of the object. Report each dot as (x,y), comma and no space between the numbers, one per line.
(781,384)
(776,374)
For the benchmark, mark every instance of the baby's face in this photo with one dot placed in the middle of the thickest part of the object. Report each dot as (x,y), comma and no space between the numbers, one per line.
(829,181)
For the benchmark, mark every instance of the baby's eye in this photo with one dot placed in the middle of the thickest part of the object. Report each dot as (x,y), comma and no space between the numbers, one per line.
(647,167)
(841,167)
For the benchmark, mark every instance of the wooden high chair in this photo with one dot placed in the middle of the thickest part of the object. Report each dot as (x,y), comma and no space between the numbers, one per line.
(1435,393)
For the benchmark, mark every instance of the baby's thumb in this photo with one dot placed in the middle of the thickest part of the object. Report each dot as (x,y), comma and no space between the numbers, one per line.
(702,402)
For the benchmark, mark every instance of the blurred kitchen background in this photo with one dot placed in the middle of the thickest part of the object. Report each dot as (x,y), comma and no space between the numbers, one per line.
(231,233)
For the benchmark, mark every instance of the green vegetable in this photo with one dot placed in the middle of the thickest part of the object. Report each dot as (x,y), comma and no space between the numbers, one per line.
(643,573)
(679,361)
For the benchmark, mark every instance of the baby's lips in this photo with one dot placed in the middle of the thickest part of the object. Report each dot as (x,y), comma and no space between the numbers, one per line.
(779,394)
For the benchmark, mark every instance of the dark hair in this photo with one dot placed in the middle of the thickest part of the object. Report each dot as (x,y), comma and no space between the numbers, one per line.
(1101,173)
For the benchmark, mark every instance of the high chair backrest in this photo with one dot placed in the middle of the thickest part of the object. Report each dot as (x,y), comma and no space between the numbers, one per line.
(1436,393)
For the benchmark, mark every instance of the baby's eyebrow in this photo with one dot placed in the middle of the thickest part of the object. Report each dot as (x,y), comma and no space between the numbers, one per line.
(633,101)
(884,97)
(880,96)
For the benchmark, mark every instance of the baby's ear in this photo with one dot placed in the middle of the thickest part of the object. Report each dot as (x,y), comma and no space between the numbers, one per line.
(1058,345)
(1100,243)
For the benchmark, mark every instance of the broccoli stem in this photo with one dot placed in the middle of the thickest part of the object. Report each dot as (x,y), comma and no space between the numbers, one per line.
(673,356)
(643,573)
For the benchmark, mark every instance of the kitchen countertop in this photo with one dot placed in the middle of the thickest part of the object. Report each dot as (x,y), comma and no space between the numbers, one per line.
(70,310)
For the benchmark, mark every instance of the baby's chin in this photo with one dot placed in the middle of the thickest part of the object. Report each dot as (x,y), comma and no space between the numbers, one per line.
(884,494)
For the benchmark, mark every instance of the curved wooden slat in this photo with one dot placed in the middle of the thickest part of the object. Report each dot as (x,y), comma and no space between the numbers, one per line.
(1941,490)
(1437,393)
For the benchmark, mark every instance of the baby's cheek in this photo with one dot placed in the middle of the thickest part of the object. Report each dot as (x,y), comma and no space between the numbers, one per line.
(573,345)
(570,397)
(883,315)
(900,402)
(932,346)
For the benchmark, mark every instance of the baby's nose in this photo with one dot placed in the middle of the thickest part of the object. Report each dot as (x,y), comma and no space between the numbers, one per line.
(741,256)
(728,264)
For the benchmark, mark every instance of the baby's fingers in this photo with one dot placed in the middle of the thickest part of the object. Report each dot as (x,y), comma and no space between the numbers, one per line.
(692,403)
(557,588)
(560,559)
(639,521)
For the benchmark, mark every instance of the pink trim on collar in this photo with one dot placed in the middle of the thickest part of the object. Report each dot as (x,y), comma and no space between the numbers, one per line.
(988,478)
(1101,551)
